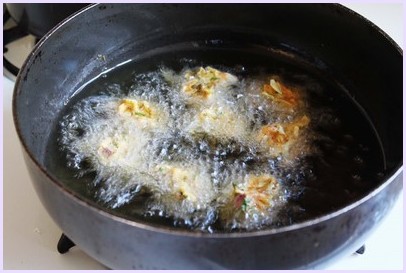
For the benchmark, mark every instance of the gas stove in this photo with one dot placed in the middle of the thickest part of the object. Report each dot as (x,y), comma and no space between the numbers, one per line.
(30,237)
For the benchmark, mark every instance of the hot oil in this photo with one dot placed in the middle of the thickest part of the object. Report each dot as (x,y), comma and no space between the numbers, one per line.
(339,159)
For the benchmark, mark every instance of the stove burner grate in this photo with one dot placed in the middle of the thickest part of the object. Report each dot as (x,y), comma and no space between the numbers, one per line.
(64,244)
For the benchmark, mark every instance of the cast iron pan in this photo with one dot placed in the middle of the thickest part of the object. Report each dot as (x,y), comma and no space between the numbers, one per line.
(326,39)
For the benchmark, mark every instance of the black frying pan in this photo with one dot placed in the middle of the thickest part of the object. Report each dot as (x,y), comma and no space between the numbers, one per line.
(326,39)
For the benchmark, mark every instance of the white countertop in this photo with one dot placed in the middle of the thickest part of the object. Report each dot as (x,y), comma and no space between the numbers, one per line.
(30,236)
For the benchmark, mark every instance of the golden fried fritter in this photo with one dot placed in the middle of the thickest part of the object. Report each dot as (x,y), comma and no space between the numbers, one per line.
(281,94)
(202,82)
(136,109)
(279,137)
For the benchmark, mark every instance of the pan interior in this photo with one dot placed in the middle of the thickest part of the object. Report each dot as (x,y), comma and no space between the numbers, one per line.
(349,165)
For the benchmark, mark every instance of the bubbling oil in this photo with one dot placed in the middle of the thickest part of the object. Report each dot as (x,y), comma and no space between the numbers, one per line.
(128,165)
